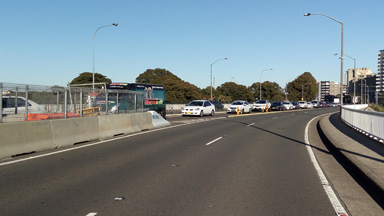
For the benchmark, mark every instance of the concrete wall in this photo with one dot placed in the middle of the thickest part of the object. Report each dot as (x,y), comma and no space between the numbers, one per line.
(25,137)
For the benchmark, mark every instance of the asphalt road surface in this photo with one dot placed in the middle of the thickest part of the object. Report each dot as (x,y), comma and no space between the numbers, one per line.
(254,164)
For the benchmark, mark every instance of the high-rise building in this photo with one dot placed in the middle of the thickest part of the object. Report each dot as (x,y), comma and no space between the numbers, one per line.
(329,90)
(380,75)
(358,74)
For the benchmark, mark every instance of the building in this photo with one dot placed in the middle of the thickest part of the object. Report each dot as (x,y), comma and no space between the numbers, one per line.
(359,73)
(380,77)
(329,90)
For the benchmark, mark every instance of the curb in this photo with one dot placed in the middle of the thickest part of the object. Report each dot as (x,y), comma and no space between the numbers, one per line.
(338,143)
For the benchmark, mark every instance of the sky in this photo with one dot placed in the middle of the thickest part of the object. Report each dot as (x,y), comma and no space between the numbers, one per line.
(45,42)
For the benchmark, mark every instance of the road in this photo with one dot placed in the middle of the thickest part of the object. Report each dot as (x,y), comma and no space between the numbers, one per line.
(248,165)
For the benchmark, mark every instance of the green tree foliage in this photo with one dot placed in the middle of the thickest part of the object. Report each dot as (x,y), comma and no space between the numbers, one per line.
(176,90)
(233,91)
(86,78)
(304,85)
(269,90)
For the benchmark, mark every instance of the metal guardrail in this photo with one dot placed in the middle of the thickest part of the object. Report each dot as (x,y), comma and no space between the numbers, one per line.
(21,102)
(367,122)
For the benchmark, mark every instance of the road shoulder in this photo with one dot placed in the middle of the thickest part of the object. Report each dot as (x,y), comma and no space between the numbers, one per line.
(353,196)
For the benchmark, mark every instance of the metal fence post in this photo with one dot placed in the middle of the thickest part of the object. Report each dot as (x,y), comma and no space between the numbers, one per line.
(135,102)
(106,102)
(117,102)
(65,103)
(26,103)
(1,104)
(81,103)
(16,99)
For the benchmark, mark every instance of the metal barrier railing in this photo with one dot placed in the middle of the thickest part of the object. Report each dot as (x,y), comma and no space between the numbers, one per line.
(20,102)
(368,122)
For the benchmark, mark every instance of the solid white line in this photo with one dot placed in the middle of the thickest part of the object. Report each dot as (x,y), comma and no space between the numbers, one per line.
(213,141)
(251,124)
(91,214)
(328,189)
(97,143)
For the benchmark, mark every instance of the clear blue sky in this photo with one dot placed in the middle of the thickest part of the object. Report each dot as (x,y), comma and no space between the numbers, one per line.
(50,42)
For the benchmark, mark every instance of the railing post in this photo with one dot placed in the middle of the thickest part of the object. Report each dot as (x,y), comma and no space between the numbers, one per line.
(26,103)
(65,103)
(16,99)
(135,102)
(117,102)
(81,103)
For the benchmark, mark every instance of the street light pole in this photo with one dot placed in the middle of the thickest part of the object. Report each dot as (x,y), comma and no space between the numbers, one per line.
(260,80)
(354,77)
(342,51)
(302,91)
(211,71)
(93,71)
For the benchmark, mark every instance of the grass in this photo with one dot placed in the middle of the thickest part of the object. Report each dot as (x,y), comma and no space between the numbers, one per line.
(377,108)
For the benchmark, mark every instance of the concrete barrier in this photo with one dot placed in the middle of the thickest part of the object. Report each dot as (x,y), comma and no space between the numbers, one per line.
(25,137)
(66,132)
(141,121)
(158,120)
(112,125)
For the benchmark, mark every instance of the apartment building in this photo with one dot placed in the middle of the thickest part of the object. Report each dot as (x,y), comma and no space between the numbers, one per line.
(380,76)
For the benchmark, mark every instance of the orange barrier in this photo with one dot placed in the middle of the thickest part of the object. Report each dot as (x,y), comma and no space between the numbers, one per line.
(46,116)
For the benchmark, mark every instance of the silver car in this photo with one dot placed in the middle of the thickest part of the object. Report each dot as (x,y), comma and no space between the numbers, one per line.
(9,106)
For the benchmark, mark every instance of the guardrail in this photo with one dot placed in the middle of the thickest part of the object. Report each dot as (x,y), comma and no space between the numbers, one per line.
(21,102)
(368,122)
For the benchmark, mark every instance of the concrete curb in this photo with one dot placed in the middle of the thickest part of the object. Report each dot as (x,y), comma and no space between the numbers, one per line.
(354,152)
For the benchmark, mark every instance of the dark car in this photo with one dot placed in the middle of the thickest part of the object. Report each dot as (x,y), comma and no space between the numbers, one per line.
(295,105)
(277,105)
(217,104)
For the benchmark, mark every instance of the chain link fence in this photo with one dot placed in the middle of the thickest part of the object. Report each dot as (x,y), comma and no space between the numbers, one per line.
(21,102)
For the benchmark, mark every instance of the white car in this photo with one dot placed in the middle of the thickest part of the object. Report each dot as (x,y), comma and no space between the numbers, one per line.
(242,106)
(261,105)
(198,108)
(303,105)
(8,103)
(309,105)
(288,105)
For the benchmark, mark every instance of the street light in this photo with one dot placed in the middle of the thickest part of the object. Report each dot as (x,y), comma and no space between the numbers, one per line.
(260,80)
(302,91)
(211,72)
(342,51)
(93,72)
(354,77)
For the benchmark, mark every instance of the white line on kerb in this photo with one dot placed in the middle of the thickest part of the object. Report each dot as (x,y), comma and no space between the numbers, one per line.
(328,189)
(213,141)
(250,124)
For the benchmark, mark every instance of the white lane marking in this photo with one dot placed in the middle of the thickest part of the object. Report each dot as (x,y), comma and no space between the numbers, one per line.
(97,143)
(327,187)
(274,118)
(91,214)
(213,141)
(250,124)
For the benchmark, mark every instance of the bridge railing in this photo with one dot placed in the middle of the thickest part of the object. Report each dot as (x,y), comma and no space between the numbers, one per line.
(21,102)
(367,122)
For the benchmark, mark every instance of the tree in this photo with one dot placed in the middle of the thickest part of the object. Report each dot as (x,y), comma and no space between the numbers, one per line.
(234,91)
(176,90)
(269,91)
(86,78)
(303,87)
